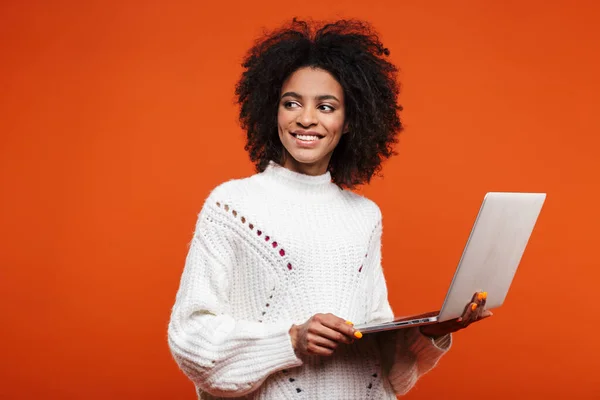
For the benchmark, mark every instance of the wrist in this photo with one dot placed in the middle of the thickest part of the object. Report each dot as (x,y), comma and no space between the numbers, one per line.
(426,332)
(294,335)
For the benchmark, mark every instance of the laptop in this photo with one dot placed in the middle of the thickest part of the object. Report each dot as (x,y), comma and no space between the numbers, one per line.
(489,260)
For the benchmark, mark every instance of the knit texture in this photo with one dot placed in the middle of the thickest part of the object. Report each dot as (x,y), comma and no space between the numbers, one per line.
(272,250)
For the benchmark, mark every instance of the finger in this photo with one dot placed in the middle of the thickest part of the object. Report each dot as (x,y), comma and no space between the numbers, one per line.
(314,349)
(475,312)
(344,327)
(472,309)
(469,309)
(482,311)
(484,300)
(483,315)
(480,300)
(324,331)
(464,318)
(321,341)
(482,303)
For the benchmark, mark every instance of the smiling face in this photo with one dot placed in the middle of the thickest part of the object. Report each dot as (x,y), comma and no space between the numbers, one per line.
(310,119)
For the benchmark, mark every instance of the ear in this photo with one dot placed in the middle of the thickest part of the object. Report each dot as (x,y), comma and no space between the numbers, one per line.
(346,129)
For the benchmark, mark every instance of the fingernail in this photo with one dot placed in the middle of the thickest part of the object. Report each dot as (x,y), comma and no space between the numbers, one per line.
(349,323)
(474,307)
(480,296)
(484,295)
(459,319)
(357,334)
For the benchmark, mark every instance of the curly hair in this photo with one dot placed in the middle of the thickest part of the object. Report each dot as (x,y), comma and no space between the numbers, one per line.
(351,51)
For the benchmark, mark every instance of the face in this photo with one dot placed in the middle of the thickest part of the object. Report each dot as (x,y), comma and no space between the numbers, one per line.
(310,119)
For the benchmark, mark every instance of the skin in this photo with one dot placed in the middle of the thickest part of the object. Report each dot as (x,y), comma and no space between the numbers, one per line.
(323,333)
(474,311)
(312,102)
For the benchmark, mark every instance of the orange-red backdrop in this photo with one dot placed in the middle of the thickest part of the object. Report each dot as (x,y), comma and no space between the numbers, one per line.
(117,118)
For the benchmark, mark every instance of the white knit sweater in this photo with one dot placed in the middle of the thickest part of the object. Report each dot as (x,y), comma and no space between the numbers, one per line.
(270,251)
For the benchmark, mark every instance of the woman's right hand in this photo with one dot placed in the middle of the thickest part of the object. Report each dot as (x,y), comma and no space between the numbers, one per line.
(322,334)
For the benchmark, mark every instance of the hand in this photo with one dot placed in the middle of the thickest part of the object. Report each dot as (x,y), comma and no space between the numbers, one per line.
(474,311)
(322,334)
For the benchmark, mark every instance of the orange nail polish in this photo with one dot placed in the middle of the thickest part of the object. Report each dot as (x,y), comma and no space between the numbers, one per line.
(349,323)
(357,334)
(474,307)
(484,295)
(480,296)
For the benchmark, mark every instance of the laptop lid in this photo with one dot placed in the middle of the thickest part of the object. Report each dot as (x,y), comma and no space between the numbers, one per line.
(493,251)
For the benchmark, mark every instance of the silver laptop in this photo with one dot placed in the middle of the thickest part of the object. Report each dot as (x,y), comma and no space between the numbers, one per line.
(489,260)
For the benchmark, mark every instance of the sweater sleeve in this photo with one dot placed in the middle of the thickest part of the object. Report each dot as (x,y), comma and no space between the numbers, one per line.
(412,353)
(223,356)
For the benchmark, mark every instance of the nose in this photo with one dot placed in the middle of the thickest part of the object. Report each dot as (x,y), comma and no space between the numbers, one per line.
(307,117)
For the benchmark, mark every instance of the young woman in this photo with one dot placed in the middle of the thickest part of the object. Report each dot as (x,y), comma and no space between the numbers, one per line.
(282,263)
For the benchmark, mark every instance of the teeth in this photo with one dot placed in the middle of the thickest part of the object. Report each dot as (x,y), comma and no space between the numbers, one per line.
(308,138)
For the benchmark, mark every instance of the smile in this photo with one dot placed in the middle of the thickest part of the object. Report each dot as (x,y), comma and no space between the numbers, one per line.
(307,136)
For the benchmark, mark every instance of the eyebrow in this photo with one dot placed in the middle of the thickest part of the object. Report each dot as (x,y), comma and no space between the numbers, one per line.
(320,98)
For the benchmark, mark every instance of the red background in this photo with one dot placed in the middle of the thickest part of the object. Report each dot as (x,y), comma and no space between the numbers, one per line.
(117,118)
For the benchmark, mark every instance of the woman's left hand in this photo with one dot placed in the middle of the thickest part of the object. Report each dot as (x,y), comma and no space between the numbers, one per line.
(474,311)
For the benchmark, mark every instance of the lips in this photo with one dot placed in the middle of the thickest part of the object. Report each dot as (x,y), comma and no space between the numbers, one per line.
(306,140)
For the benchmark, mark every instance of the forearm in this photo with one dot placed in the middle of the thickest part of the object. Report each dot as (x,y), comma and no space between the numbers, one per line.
(415,355)
(225,357)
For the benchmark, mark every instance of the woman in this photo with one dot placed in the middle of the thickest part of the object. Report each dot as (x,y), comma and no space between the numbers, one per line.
(281,262)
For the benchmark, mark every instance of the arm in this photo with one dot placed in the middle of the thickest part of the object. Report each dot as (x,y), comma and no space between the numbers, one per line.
(415,355)
(221,355)
(412,353)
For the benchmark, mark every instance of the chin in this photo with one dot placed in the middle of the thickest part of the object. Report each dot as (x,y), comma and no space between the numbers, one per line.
(303,158)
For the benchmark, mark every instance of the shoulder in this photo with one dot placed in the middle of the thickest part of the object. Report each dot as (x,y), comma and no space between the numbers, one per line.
(240,194)
(220,200)
(227,189)
(363,206)
(233,189)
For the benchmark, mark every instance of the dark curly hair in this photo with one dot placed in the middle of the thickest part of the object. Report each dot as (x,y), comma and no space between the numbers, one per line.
(351,51)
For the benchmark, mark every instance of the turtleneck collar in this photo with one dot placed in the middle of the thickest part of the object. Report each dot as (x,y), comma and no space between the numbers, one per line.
(297,181)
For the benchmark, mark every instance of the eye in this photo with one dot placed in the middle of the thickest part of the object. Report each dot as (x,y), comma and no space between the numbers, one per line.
(291,104)
(326,107)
